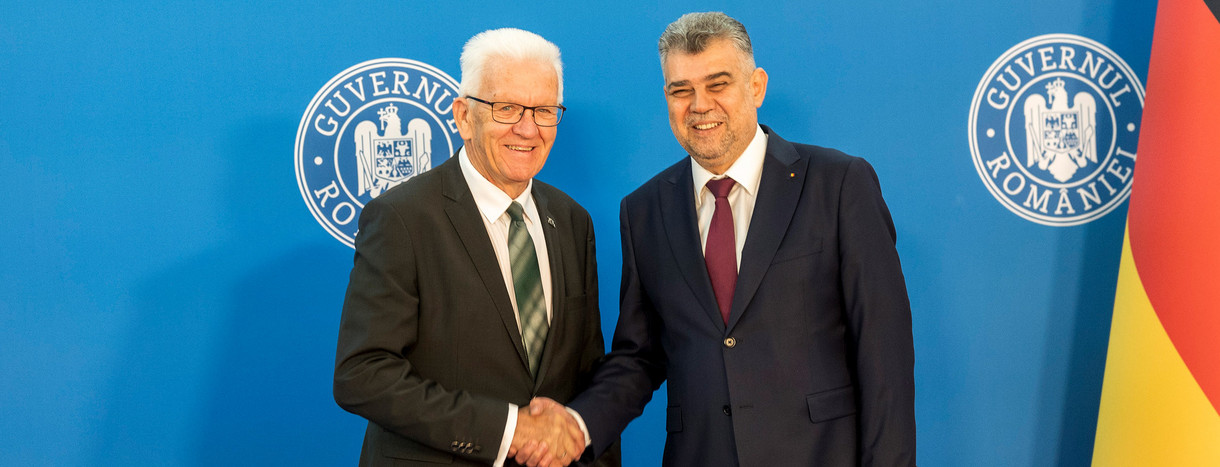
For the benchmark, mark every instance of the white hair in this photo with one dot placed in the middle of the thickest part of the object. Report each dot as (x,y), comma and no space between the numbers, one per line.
(505,43)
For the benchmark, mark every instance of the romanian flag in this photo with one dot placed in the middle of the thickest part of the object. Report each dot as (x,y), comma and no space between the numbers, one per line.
(1160,402)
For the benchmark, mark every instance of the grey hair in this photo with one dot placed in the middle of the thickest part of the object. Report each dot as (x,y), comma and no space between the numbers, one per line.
(693,32)
(505,43)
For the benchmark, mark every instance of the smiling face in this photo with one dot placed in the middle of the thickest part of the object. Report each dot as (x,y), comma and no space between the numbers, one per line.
(509,155)
(713,99)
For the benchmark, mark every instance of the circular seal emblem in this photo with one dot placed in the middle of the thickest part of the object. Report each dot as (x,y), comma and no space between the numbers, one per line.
(373,126)
(1054,126)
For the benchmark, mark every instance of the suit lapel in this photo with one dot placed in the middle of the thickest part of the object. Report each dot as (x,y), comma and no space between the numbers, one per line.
(464,214)
(783,177)
(552,234)
(682,230)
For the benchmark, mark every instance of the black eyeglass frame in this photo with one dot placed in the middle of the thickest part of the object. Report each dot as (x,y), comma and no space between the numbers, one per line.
(520,115)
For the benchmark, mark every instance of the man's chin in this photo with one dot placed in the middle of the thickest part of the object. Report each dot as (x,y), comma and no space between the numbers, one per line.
(709,151)
(706,148)
(712,162)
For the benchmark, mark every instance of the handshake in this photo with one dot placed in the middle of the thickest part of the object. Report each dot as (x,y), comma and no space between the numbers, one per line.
(546,435)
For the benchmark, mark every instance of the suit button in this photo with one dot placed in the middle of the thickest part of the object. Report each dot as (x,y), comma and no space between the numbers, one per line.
(730,342)
(455,446)
(727,411)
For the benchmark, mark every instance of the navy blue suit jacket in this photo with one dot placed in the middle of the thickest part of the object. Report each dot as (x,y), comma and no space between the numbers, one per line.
(815,366)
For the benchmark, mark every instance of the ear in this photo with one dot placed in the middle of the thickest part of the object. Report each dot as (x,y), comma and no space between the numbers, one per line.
(461,116)
(758,86)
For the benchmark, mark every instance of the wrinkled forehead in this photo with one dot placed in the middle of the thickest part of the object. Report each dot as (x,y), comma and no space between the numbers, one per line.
(506,76)
(713,61)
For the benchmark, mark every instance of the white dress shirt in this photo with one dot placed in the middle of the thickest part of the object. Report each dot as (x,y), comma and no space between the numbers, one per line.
(493,206)
(747,172)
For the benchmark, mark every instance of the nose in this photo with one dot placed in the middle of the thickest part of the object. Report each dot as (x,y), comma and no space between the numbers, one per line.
(701,102)
(526,127)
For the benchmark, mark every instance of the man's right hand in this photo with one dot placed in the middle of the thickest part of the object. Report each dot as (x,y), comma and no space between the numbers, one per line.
(546,436)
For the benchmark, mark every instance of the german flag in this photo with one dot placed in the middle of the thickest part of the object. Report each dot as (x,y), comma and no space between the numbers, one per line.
(1161,395)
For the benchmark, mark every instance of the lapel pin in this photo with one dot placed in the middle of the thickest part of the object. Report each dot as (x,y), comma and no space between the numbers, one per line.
(551,221)
(792,175)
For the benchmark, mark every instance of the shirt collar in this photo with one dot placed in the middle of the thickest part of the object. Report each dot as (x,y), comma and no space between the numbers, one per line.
(490,199)
(746,170)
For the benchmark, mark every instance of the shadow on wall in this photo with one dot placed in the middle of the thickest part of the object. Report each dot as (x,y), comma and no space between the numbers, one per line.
(1076,342)
(269,398)
(1087,326)
(231,350)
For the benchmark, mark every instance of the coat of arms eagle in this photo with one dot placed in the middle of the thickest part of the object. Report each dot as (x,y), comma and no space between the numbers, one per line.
(385,160)
(1060,139)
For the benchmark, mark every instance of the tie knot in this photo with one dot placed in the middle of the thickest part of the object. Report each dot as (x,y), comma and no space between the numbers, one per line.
(720,188)
(515,212)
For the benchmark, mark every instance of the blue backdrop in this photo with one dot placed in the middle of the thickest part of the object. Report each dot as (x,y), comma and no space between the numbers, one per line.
(168,299)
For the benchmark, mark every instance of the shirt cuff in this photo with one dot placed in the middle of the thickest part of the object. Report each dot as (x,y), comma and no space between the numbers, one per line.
(506,441)
(580,421)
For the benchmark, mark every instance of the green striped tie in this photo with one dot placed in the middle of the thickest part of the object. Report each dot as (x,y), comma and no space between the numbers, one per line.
(527,284)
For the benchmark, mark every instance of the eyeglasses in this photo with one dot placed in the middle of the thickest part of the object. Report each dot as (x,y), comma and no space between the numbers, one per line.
(510,113)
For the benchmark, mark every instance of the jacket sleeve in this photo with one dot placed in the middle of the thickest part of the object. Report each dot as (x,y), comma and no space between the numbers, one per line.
(635,367)
(879,316)
(379,325)
(595,345)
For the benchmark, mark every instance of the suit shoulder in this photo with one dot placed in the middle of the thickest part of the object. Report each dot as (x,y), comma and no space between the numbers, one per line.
(824,155)
(649,189)
(783,150)
(558,202)
(420,191)
(832,162)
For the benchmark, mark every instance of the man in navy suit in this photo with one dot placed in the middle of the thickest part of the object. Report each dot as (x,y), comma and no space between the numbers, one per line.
(760,279)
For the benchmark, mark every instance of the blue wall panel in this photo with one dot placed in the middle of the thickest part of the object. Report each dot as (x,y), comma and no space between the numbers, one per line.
(168,299)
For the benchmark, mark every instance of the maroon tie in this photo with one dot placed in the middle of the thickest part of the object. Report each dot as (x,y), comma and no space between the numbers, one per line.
(721,251)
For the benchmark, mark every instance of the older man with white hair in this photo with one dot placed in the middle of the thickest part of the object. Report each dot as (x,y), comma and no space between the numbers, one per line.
(474,286)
